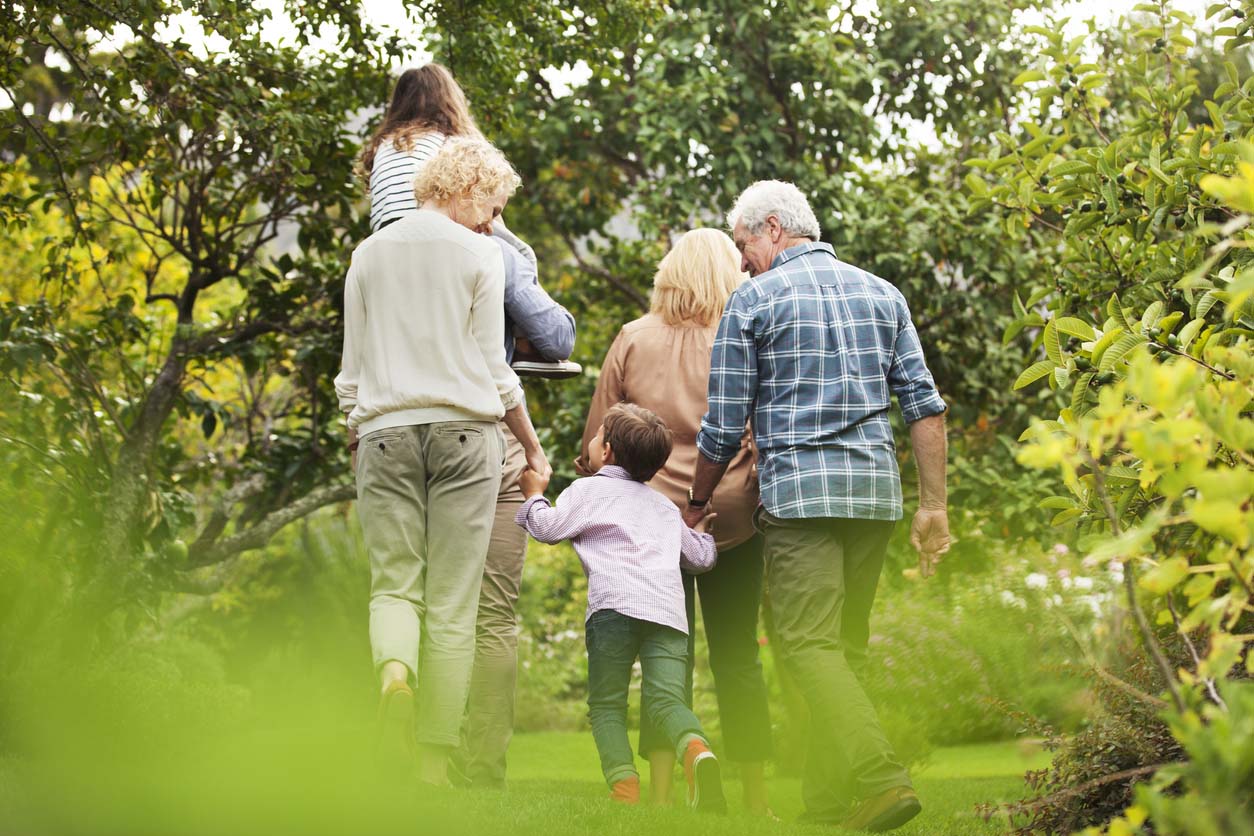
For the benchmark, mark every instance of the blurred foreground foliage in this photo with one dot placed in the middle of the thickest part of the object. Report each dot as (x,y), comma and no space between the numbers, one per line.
(1135,163)
(175,227)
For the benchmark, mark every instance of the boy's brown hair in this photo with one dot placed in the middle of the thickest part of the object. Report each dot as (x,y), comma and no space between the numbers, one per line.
(641,440)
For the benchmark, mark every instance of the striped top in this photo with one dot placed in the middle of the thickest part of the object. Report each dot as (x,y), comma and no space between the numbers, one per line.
(392,177)
(631,541)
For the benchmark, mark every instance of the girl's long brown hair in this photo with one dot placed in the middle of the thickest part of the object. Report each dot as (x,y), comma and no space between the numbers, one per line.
(425,99)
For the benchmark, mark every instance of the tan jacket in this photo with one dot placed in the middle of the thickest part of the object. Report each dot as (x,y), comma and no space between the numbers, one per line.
(665,368)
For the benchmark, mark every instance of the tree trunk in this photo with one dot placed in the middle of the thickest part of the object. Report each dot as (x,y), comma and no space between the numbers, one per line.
(128,486)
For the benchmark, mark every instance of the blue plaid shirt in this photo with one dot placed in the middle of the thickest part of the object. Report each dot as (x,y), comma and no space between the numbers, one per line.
(813,347)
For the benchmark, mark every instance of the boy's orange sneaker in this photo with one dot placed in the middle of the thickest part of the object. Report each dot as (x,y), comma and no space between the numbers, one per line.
(705,784)
(626,791)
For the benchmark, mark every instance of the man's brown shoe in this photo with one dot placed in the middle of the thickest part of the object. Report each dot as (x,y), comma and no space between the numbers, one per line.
(887,811)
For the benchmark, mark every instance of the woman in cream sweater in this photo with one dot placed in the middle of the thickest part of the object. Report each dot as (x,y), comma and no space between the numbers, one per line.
(424,383)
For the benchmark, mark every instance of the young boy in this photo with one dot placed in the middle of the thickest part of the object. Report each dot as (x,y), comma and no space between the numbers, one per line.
(632,542)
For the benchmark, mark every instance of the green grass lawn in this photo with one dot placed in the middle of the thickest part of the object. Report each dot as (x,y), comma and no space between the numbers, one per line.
(321,781)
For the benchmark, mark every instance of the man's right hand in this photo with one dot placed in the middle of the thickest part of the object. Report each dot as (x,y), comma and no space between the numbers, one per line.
(929,534)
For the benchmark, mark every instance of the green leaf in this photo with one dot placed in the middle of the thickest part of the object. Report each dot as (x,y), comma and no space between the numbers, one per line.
(1105,342)
(1056,503)
(1053,349)
(1119,350)
(1081,390)
(1070,167)
(1041,428)
(976,184)
(1189,332)
(1028,76)
(1064,517)
(1165,576)
(1073,327)
(1033,373)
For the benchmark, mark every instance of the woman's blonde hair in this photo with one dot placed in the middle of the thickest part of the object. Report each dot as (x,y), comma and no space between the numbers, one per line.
(466,167)
(696,277)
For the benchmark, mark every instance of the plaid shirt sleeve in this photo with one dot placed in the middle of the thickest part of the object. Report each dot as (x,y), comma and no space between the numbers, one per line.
(908,376)
(733,383)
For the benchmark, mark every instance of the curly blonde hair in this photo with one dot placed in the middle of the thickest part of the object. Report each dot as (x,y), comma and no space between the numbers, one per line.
(466,167)
(695,279)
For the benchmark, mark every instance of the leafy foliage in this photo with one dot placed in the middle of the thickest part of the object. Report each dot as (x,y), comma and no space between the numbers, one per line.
(1144,321)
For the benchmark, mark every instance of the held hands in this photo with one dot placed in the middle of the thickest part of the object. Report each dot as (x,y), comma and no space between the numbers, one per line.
(537,461)
(582,469)
(532,483)
(705,525)
(535,478)
(929,534)
(695,516)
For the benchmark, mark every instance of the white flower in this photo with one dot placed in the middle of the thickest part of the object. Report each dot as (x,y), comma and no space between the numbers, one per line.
(1083,583)
(1061,548)
(1037,581)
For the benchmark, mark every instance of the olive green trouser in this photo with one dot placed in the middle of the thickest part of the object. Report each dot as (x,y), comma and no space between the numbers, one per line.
(822,574)
(489,722)
(424,498)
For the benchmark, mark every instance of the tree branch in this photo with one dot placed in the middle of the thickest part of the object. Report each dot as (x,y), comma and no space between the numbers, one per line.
(260,534)
(600,272)
(1129,584)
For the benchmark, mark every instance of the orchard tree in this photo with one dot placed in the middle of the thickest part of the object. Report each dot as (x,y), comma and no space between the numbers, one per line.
(669,122)
(186,166)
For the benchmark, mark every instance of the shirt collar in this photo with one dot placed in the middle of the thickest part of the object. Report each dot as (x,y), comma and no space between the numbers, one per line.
(800,250)
(614,472)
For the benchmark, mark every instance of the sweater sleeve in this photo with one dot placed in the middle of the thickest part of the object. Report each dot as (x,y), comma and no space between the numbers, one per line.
(354,333)
(487,326)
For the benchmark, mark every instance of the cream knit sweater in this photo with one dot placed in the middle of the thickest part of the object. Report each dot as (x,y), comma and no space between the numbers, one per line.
(424,329)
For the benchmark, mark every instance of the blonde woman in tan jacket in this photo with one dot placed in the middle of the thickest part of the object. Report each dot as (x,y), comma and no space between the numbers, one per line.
(662,362)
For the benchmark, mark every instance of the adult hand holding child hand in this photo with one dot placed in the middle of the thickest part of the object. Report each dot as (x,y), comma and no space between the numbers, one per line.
(533,483)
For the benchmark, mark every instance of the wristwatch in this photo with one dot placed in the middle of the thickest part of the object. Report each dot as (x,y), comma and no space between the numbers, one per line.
(696,503)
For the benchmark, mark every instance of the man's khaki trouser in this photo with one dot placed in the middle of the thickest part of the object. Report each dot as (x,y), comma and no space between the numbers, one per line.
(489,723)
(424,495)
(822,574)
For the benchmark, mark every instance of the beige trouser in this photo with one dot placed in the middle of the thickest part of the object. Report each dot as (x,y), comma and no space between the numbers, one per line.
(424,495)
(489,720)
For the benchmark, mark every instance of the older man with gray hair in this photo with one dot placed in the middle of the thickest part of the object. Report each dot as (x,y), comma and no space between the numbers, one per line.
(812,349)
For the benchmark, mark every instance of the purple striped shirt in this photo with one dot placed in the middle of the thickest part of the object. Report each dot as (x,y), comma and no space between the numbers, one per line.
(632,543)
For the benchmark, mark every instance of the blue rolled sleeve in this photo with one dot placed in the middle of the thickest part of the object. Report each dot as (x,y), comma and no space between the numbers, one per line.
(532,312)
(733,383)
